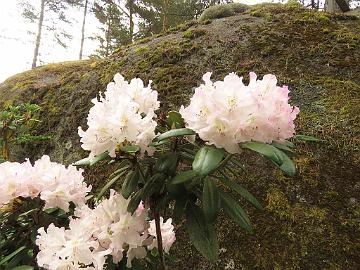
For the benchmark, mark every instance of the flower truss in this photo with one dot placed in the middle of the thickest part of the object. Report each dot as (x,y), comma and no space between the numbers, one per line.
(94,234)
(53,182)
(123,115)
(226,113)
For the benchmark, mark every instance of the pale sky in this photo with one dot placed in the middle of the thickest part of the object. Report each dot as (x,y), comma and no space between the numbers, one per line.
(17,46)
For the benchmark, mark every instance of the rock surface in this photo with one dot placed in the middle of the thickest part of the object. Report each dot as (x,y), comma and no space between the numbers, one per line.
(310,221)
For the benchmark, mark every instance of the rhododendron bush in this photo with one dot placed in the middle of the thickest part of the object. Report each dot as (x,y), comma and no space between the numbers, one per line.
(167,165)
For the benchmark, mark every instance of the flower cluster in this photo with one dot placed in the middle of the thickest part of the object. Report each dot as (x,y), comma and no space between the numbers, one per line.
(97,233)
(53,182)
(123,115)
(167,234)
(226,113)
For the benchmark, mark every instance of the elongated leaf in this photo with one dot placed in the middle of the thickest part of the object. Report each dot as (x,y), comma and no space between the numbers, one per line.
(175,133)
(23,267)
(207,159)
(111,182)
(211,199)
(282,146)
(154,184)
(12,255)
(307,138)
(130,149)
(167,163)
(134,201)
(130,183)
(184,177)
(98,158)
(179,207)
(202,234)
(235,211)
(274,154)
(241,191)
(92,161)
(266,150)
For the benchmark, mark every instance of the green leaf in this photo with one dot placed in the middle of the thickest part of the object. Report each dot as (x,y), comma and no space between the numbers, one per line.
(98,158)
(130,149)
(184,177)
(282,146)
(307,138)
(210,199)
(130,183)
(202,234)
(241,191)
(175,120)
(134,202)
(92,161)
(235,212)
(111,182)
(154,184)
(175,133)
(274,154)
(23,267)
(179,207)
(207,159)
(12,255)
(167,163)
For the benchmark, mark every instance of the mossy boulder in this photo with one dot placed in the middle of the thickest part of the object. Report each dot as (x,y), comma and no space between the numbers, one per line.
(310,221)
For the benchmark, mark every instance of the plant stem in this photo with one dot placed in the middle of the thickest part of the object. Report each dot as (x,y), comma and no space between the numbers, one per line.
(156,213)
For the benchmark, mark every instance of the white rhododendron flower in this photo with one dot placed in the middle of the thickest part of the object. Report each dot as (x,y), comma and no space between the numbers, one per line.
(123,114)
(53,182)
(226,113)
(97,233)
(167,234)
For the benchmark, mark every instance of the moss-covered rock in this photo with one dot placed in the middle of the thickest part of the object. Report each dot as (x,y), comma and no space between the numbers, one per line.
(310,221)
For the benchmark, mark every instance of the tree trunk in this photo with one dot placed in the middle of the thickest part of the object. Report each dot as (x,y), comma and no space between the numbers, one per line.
(337,5)
(165,15)
(131,18)
(38,37)
(83,30)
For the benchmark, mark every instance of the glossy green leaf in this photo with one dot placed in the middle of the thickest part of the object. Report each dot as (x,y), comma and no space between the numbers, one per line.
(130,149)
(202,234)
(111,182)
(175,120)
(307,138)
(92,161)
(12,255)
(167,163)
(175,133)
(23,267)
(241,191)
(235,211)
(179,208)
(282,146)
(274,154)
(130,183)
(154,184)
(210,199)
(134,201)
(184,177)
(207,159)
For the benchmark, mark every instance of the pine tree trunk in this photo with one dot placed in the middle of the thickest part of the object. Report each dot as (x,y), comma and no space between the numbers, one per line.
(83,30)
(165,15)
(38,37)
(337,5)
(131,17)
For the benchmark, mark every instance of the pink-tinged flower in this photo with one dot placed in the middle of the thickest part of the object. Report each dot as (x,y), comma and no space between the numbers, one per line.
(94,235)
(123,114)
(53,182)
(167,234)
(226,113)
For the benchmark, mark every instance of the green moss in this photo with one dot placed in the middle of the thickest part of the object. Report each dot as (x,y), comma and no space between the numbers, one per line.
(142,50)
(194,33)
(222,11)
